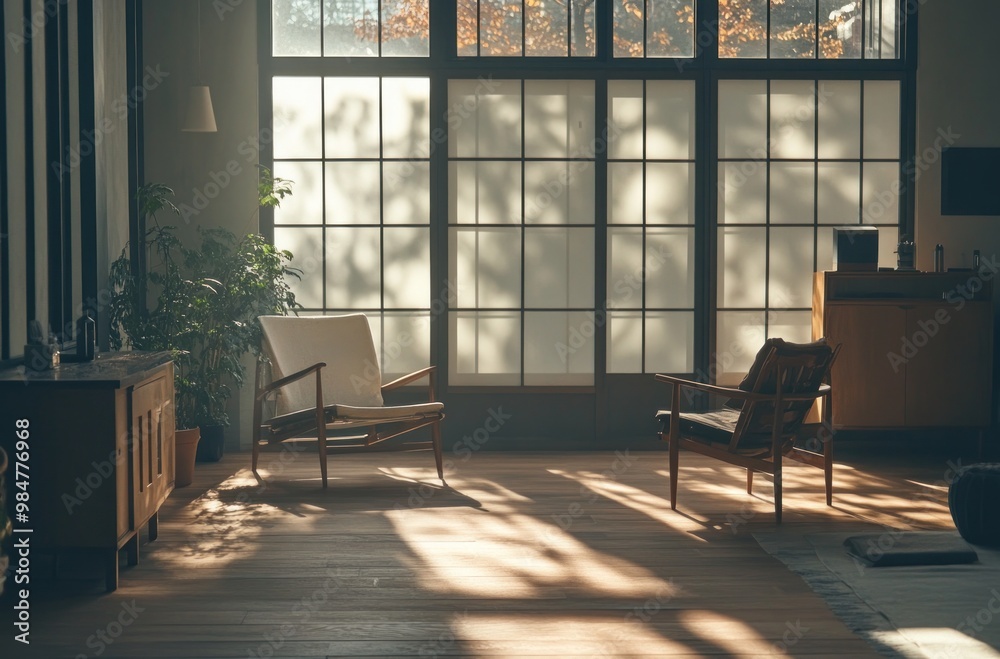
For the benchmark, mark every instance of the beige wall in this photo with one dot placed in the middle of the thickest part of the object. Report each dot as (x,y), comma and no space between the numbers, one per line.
(199,166)
(957,90)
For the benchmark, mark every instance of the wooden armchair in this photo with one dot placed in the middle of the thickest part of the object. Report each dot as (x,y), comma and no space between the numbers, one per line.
(328,380)
(758,426)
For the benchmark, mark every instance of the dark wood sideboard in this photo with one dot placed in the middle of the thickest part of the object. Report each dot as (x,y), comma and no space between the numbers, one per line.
(917,347)
(101,451)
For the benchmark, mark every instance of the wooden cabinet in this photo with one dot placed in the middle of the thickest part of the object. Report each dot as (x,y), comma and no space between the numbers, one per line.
(101,451)
(917,348)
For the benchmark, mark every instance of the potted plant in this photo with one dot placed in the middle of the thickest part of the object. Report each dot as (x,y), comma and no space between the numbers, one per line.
(201,304)
(249,277)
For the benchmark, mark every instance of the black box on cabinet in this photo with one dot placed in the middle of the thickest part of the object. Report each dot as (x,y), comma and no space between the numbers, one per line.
(855,249)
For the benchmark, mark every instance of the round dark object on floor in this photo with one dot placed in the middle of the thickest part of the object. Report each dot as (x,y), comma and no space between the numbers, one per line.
(974,501)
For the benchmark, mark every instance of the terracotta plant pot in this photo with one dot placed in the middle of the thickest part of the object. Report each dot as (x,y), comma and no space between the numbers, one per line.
(186,448)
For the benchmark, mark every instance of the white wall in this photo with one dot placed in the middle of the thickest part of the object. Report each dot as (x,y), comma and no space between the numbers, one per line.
(198,165)
(957,90)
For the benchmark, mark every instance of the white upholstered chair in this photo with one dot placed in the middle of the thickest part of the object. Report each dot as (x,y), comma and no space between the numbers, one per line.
(326,380)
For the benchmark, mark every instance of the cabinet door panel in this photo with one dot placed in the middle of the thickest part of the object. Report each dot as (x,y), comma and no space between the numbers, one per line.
(151,449)
(868,389)
(949,355)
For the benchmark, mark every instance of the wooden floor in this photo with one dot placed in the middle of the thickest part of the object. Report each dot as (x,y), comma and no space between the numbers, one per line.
(530,554)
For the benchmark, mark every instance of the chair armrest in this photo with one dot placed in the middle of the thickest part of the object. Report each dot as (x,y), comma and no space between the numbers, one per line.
(732,392)
(406,379)
(277,384)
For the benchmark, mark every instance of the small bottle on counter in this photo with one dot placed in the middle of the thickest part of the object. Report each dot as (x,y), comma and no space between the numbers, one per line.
(939,258)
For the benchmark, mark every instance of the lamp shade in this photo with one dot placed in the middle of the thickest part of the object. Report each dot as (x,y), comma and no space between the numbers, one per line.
(199,116)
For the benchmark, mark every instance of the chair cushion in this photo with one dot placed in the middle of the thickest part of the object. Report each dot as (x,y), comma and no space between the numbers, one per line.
(715,426)
(354,416)
(344,343)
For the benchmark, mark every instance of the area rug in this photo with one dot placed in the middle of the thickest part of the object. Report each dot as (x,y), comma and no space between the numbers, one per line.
(936,611)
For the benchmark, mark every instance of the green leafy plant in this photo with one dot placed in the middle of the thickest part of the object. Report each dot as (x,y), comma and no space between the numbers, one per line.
(204,302)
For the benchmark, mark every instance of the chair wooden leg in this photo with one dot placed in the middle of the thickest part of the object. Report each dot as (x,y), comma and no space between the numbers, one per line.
(828,469)
(436,440)
(777,489)
(749,480)
(674,455)
(322,452)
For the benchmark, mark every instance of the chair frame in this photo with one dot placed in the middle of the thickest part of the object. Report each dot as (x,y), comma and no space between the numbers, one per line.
(770,462)
(265,436)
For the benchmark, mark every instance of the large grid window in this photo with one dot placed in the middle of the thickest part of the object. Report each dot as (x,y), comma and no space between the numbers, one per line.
(651,226)
(359,220)
(518,189)
(796,158)
(521,232)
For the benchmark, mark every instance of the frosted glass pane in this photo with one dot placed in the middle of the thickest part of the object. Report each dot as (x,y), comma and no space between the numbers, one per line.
(669,342)
(839,192)
(405,28)
(298,118)
(406,192)
(352,192)
(350,29)
(295,28)
(739,336)
(484,119)
(305,206)
(485,193)
(625,268)
(625,342)
(792,200)
(888,240)
(793,29)
(352,117)
(559,348)
(353,275)
(743,192)
(793,119)
(669,193)
(625,113)
(743,119)
(670,119)
(406,124)
(486,264)
(485,348)
(794,326)
(407,253)
(406,343)
(546,27)
(559,266)
(882,119)
(839,119)
(559,192)
(559,118)
(791,268)
(625,193)
(669,268)
(824,249)
(742,266)
(306,246)
(880,193)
